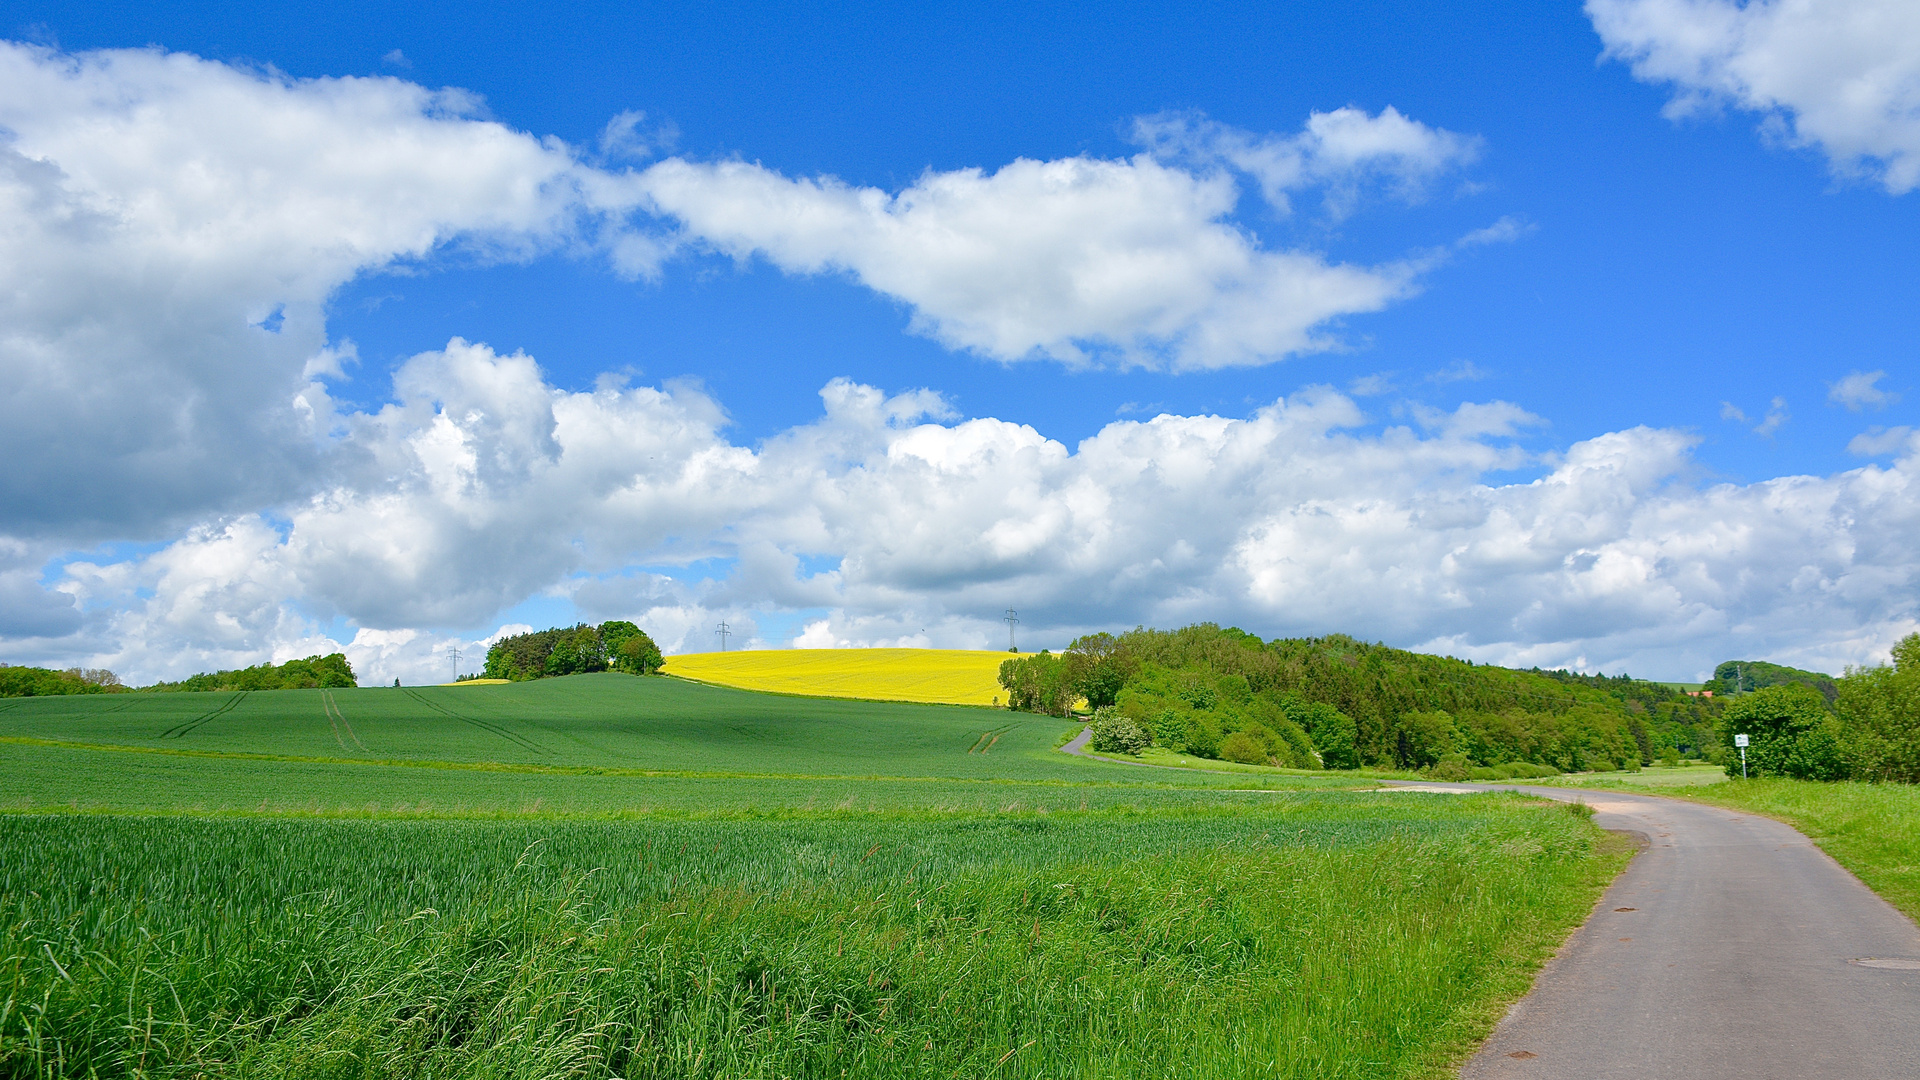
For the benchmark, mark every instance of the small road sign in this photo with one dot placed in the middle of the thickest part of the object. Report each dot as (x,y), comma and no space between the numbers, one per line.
(1741,741)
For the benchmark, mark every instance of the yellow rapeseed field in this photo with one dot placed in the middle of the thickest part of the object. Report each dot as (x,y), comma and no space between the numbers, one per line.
(948,676)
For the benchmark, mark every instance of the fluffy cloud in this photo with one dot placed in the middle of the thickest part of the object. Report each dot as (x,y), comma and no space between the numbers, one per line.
(895,522)
(170,231)
(1841,76)
(1079,259)
(1342,152)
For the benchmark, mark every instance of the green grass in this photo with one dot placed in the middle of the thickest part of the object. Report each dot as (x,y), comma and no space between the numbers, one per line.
(1316,935)
(1657,776)
(607,720)
(606,876)
(73,779)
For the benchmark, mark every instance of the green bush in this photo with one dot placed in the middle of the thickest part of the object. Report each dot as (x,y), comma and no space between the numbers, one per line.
(1791,734)
(1511,770)
(1243,748)
(1116,733)
(1202,735)
(1879,711)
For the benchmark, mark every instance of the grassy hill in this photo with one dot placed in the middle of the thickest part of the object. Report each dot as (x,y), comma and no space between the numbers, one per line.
(606,875)
(948,676)
(594,721)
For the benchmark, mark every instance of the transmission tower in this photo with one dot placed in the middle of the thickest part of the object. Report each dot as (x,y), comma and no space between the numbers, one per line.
(453,661)
(1012,618)
(723,634)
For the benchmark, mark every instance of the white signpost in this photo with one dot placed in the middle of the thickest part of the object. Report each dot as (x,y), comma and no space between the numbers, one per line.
(1741,742)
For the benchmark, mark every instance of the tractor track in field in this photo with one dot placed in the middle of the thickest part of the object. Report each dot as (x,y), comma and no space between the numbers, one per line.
(492,729)
(338,720)
(988,738)
(179,731)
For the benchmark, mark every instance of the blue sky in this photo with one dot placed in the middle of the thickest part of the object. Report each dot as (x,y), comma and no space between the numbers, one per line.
(1704,246)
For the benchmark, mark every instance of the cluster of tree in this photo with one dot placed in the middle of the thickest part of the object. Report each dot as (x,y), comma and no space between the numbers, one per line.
(1870,731)
(1342,703)
(331,671)
(1746,676)
(572,650)
(44,682)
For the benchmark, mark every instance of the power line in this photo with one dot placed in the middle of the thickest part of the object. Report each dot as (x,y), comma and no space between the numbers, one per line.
(453,661)
(723,634)
(1011,618)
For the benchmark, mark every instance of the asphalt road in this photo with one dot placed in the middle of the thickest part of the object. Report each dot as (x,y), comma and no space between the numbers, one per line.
(1730,947)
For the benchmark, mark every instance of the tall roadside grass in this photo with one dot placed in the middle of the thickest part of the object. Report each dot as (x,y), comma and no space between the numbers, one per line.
(1257,942)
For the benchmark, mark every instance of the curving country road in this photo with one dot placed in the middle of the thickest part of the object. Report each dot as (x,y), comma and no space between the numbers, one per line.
(1077,746)
(1730,947)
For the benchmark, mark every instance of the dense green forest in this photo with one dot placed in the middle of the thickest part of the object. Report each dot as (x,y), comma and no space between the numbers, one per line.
(331,671)
(1746,676)
(1335,702)
(614,645)
(1224,693)
(41,682)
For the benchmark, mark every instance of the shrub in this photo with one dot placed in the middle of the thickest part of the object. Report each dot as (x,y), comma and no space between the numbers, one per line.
(1879,711)
(1116,733)
(1511,770)
(1452,767)
(1790,731)
(1244,748)
(1202,735)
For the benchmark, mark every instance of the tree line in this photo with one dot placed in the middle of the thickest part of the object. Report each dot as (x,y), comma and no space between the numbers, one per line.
(18,681)
(1744,676)
(1338,702)
(614,645)
(330,672)
(1868,729)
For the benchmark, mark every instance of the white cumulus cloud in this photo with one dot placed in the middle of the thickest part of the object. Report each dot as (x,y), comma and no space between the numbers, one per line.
(1839,76)
(170,231)
(887,520)
(1080,259)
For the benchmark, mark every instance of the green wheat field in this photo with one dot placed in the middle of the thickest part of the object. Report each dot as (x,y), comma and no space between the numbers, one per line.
(610,876)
